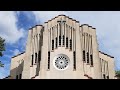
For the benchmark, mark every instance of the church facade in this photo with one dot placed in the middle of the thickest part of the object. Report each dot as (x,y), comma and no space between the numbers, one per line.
(62,49)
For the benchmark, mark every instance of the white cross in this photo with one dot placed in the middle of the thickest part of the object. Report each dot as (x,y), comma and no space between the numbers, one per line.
(61,21)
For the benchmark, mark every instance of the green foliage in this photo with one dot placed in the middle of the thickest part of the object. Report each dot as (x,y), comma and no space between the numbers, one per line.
(2,46)
(1,65)
(118,72)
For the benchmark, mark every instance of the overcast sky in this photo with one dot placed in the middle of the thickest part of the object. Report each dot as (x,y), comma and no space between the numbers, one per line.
(14,28)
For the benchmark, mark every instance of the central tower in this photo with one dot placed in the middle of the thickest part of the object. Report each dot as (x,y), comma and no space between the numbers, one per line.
(62,49)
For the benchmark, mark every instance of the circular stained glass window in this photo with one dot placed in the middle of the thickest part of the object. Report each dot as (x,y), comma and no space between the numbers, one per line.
(61,61)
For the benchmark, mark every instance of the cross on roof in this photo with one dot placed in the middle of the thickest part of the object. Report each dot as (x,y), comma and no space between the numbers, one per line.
(61,21)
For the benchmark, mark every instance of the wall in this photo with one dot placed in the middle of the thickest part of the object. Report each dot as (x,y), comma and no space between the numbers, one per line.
(17,63)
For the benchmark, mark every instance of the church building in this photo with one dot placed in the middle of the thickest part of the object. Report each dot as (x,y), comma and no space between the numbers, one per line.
(62,48)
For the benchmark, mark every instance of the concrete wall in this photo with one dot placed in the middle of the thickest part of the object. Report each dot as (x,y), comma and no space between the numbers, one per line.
(108,67)
(17,63)
(40,38)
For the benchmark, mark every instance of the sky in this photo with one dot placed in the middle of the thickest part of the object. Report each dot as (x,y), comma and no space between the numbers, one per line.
(14,26)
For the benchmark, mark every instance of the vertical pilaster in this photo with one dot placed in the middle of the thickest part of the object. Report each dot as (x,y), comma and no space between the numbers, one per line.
(96,61)
(27,62)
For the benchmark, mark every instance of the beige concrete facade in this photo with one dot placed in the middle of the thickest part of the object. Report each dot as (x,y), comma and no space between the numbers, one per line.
(62,36)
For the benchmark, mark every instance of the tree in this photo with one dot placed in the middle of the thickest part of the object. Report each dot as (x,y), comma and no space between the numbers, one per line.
(2,48)
(1,65)
(118,74)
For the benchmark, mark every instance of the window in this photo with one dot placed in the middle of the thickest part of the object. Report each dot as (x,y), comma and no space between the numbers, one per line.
(16,76)
(70,44)
(104,76)
(56,43)
(74,60)
(107,77)
(91,59)
(63,40)
(52,44)
(49,60)
(20,76)
(61,61)
(35,57)
(66,42)
(59,40)
(84,55)
(87,57)
(39,56)
(32,59)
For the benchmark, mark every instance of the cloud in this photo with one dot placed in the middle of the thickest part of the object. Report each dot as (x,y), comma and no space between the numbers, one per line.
(8,27)
(10,31)
(16,51)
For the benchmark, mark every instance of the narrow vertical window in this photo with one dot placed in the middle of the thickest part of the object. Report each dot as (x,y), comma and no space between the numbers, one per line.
(20,76)
(49,60)
(84,55)
(63,40)
(70,44)
(35,57)
(87,57)
(39,56)
(74,60)
(104,76)
(91,59)
(66,42)
(60,28)
(52,44)
(32,60)
(59,40)
(60,35)
(107,71)
(16,76)
(56,43)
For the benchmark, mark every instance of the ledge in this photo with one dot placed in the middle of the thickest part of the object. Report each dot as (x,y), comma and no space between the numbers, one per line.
(88,76)
(18,55)
(35,26)
(106,54)
(84,25)
(87,25)
(64,16)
